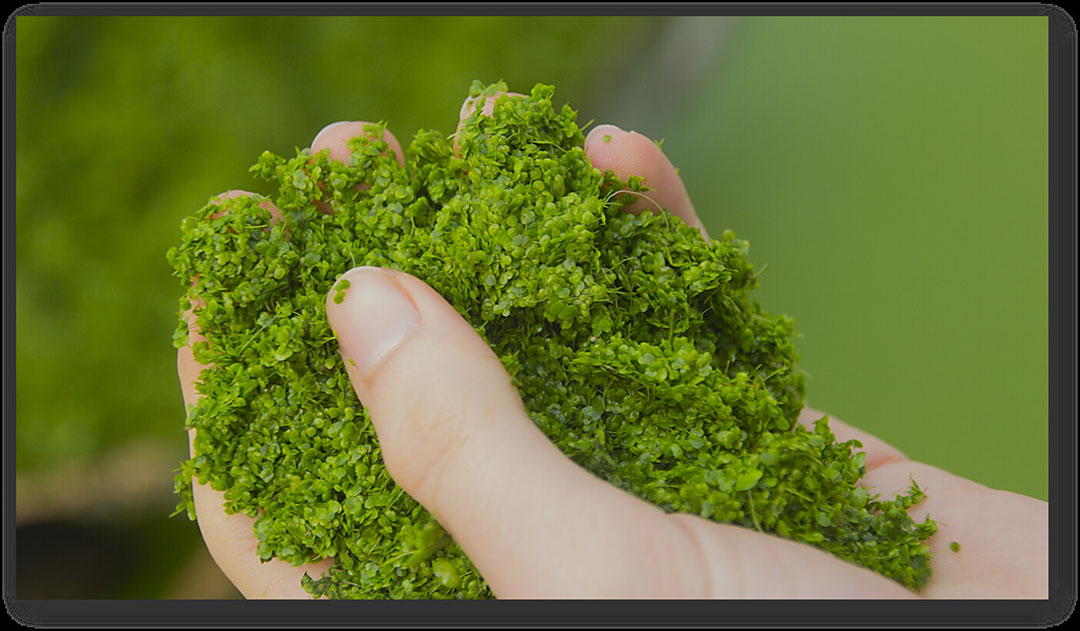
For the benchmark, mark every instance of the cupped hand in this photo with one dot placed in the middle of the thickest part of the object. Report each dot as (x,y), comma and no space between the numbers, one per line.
(455,436)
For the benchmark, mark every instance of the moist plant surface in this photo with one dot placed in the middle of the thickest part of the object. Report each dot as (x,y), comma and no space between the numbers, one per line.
(636,345)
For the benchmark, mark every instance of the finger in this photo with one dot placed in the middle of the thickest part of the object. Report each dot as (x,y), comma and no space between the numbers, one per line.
(230,194)
(231,539)
(469,107)
(894,478)
(186,366)
(455,435)
(336,137)
(609,148)
(878,452)
(1003,536)
(959,507)
(232,543)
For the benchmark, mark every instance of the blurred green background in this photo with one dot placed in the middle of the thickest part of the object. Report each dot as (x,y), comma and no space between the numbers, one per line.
(890,172)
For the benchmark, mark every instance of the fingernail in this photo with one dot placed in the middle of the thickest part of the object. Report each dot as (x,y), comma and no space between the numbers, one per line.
(470,103)
(606,129)
(466,107)
(489,104)
(371,316)
(334,138)
(325,130)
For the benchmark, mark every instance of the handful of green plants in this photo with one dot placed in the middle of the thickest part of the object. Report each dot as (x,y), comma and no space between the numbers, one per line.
(634,342)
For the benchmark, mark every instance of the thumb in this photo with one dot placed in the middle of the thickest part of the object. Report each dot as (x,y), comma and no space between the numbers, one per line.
(455,436)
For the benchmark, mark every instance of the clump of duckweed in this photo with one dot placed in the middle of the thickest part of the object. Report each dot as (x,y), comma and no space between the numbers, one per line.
(635,344)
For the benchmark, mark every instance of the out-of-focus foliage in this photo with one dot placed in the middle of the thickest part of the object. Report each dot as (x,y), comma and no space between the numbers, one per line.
(126,125)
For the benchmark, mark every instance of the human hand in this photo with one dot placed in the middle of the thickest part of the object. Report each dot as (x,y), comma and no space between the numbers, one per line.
(455,436)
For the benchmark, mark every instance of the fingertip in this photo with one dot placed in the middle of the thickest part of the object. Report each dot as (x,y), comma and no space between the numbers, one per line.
(336,136)
(265,203)
(469,105)
(600,135)
(629,153)
(322,139)
(233,193)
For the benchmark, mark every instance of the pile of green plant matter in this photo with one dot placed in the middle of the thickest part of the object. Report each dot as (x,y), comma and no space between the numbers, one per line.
(634,342)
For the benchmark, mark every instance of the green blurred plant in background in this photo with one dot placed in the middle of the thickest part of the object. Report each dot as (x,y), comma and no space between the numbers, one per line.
(891,173)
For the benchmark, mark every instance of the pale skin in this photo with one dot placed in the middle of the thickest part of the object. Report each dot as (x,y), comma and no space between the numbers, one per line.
(455,436)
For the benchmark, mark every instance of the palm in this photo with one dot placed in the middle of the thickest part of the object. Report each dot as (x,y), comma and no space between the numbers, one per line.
(1002,536)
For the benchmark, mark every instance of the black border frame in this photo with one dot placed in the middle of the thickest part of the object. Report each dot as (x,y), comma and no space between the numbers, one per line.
(1062,51)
